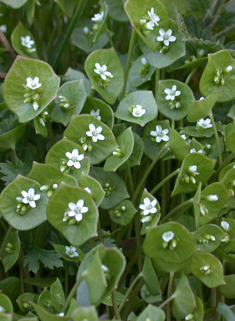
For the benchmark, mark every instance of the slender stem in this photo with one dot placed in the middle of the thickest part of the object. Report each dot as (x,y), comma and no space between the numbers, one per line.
(146,174)
(72,293)
(168,309)
(132,299)
(130,177)
(92,242)
(157,78)
(100,233)
(128,292)
(137,238)
(66,279)
(50,130)
(14,155)
(166,301)
(176,209)
(225,162)
(109,36)
(21,259)
(6,45)
(128,62)
(164,181)
(216,139)
(190,76)
(115,307)
(74,19)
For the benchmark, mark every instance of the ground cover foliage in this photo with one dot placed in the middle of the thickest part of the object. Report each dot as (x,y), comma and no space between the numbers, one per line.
(117,147)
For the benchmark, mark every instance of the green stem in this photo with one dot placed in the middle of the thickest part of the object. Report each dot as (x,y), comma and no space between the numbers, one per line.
(14,155)
(130,177)
(72,24)
(137,238)
(225,162)
(115,307)
(128,292)
(166,301)
(72,293)
(146,174)
(190,76)
(165,180)
(168,309)
(128,62)
(100,233)
(176,209)
(157,78)
(109,36)
(216,139)
(50,130)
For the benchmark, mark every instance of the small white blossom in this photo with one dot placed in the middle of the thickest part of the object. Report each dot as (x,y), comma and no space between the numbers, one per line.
(86,30)
(172,93)
(149,206)
(203,210)
(212,198)
(204,123)
(33,83)
(3,28)
(30,197)
(193,169)
(144,61)
(149,25)
(102,71)
(98,17)
(168,236)
(138,111)
(225,225)
(154,17)
(123,208)
(77,210)
(88,190)
(74,158)
(27,42)
(96,113)
(166,37)
(55,186)
(160,134)
(71,251)
(94,133)
(193,150)
(183,136)
(229,68)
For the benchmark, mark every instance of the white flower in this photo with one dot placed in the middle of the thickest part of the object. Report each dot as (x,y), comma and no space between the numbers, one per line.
(71,251)
(166,37)
(98,16)
(229,68)
(154,18)
(160,134)
(144,61)
(27,42)
(94,133)
(172,93)
(77,210)
(168,236)
(193,169)
(4,29)
(184,136)
(193,150)
(33,83)
(138,111)
(150,25)
(86,30)
(204,123)
(102,71)
(212,198)
(148,207)
(30,198)
(96,113)
(74,158)
(203,210)
(225,225)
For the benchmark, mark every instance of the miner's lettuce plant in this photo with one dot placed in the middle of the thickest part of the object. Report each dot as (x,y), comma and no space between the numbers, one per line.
(117,147)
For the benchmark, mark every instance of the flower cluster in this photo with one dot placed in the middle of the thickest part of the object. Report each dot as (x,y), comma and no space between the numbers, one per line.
(159,134)
(27,200)
(136,111)
(96,113)
(204,124)
(169,240)
(149,21)
(92,135)
(189,174)
(27,44)
(32,94)
(74,214)
(206,270)
(221,74)
(49,189)
(147,209)
(165,38)
(104,74)
(206,239)
(171,95)
(97,19)
(120,212)
(65,103)
(144,69)
(226,227)
(73,161)
(71,251)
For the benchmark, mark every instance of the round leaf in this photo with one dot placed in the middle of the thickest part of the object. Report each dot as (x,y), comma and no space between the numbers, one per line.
(123,213)
(97,193)
(151,313)
(202,108)
(136,77)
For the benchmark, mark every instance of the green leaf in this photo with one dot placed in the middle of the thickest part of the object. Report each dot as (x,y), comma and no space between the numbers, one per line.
(16,40)
(45,316)
(116,10)
(41,282)
(123,213)
(226,312)
(11,251)
(113,185)
(185,99)
(230,245)
(145,99)
(150,277)
(67,7)
(96,151)
(11,170)
(208,269)
(202,108)
(11,133)
(5,303)
(61,250)
(11,287)
(125,147)
(180,306)
(57,295)
(75,95)
(49,258)
(87,313)
(109,58)
(219,61)
(140,73)
(72,74)
(228,289)
(44,301)
(97,192)
(149,298)
(76,234)
(14,90)
(25,301)
(14,3)
(178,146)
(151,313)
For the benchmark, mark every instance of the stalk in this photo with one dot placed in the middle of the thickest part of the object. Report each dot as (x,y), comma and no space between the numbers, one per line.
(216,139)
(176,209)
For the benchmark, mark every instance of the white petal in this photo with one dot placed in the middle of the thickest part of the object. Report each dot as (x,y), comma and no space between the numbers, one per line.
(32,204)
(78,217)
(80,203)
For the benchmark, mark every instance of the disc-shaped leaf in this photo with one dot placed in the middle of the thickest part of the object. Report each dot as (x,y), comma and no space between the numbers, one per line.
(181,307)
(11,251)
(5,303)
(167,103)
(203,171)
(151,313)
(176,49)
(112,184)
(56,156)
(178,146)
(25,300)
(109,58)
(17,42)
(122,213)
(100,110)
(228,289)
(215,77)
(72,74)
(74,94)
(8,204)
(137,10)
(224,171)
(59,203)
(208,237)
(202,108)
(151,146)
(207,268)
(140,73)
(126,143)
(11,133)
(116,10)
(95,189)
(145,99)
(154,243)
(101,148)
(14,89)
